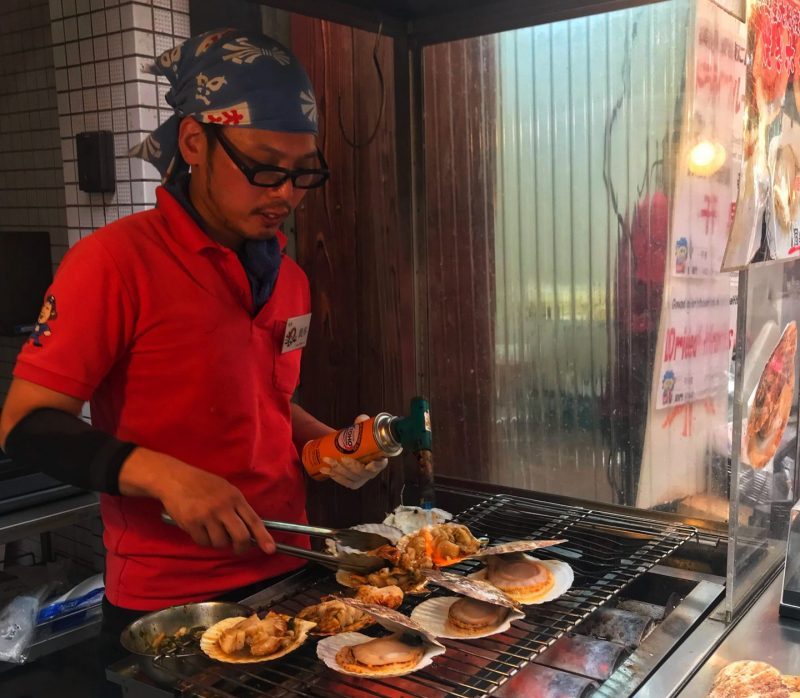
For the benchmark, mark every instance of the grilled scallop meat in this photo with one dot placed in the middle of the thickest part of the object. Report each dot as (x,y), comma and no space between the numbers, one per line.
(333,617)
(384,655)
(261,637)
(471,614)
(390,596)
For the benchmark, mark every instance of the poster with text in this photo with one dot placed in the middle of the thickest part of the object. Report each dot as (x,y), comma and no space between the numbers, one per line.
(768,198)
(711,144)
(696,333)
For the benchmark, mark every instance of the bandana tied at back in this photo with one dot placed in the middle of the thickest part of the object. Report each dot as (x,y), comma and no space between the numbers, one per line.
(231,78)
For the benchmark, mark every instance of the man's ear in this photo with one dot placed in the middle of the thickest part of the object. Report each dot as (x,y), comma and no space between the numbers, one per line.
(192,142)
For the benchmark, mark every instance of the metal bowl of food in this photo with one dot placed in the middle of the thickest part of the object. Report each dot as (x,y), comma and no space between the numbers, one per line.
(167,642)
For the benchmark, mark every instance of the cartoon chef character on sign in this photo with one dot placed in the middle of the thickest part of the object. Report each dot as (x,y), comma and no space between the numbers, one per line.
(681,255)
(42,328)
(667,387)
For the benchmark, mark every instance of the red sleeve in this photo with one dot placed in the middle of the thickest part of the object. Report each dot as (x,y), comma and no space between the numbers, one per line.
(89,323)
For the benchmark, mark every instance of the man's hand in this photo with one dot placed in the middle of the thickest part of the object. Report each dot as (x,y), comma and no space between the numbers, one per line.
(211,510)
(351,473)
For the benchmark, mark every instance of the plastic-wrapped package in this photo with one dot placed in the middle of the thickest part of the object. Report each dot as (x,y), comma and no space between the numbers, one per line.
(536,681)
(17,626)
(86,594)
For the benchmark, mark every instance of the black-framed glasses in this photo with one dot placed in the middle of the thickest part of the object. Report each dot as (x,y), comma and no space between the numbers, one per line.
(273,176)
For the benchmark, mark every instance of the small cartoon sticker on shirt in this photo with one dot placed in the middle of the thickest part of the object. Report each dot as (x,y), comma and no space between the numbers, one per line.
(42,326)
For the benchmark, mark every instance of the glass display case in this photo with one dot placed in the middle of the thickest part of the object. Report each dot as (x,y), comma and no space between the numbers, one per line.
(763,478)
(601,354)
(790,598)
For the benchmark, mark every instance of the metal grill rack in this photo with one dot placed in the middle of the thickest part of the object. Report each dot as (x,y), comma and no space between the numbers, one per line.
(607,552)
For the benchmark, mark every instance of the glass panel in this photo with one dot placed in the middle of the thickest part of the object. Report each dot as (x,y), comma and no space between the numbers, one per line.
(551,155)
(765,426)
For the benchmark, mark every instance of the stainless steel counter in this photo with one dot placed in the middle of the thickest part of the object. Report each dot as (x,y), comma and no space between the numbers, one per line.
(761,635)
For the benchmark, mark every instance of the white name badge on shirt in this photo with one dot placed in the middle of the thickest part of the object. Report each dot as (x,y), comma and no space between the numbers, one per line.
(296,335)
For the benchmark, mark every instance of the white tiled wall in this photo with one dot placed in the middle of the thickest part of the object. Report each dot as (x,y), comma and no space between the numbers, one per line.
(68,66)
(31,183)
(100,48)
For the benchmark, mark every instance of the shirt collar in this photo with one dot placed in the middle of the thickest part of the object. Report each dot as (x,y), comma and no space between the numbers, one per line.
(185,229)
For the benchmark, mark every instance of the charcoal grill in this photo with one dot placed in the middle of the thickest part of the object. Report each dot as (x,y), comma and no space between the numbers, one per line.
(607,551)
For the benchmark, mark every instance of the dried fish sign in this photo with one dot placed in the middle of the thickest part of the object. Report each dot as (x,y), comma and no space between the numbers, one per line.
(689,383)
(694,346)
(769,187)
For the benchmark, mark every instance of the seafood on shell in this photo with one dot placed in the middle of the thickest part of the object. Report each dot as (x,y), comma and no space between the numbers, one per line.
(332,616)
(241,640)
(409,648)
(527,580)
(432,546)
(483,610)
(772,401)
(409,581)
(464,617)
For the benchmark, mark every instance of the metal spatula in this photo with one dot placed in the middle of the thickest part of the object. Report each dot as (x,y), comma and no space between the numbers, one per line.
(361,564)
(347,537)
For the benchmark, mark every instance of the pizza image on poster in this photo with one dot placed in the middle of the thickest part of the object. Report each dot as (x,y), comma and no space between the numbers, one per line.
(772,401)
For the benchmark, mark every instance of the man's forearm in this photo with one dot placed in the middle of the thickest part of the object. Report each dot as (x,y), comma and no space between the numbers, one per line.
(147,473)
(306,427)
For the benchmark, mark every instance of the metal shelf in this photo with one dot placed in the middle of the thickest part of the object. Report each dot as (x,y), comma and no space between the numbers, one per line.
(46,517)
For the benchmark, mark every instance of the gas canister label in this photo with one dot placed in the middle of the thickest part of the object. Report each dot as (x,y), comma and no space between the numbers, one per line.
(348,440)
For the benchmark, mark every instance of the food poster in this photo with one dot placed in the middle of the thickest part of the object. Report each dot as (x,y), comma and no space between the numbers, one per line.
(696,334)
(710,154)
(688,401)
(769,405)
(768,202)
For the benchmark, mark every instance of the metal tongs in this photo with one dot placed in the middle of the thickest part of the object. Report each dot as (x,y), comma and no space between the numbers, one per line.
(355,562)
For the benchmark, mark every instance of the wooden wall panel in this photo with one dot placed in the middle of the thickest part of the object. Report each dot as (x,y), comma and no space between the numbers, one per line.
(360,352)
(460,126)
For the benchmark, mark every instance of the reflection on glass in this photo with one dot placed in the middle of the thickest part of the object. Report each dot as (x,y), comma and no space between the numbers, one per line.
(765,474)
(551,160)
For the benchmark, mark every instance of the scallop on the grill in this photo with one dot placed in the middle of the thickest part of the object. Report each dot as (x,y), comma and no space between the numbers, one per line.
(454,617)
(244,640)
(393,655)
(527,579)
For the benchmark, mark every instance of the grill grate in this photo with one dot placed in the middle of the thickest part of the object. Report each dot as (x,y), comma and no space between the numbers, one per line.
(607,552)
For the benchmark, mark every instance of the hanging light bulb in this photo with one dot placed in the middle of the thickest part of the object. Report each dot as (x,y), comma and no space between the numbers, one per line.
(706,157)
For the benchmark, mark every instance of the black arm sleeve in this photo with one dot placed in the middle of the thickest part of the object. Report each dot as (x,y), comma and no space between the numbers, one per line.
(68,449)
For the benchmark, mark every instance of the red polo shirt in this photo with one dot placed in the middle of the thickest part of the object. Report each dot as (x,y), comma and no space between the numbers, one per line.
(153,324)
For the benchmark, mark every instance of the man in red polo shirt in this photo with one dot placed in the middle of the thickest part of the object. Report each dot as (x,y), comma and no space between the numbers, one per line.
(183,325)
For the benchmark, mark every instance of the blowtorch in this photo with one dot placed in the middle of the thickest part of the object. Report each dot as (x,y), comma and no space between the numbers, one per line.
(381,436)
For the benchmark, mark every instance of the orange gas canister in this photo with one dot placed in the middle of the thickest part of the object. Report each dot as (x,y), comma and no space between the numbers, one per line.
(365,442)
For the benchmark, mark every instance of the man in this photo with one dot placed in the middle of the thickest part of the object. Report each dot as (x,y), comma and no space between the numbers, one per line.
(173,323)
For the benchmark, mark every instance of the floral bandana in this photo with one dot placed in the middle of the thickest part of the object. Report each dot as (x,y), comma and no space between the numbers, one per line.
(232,78)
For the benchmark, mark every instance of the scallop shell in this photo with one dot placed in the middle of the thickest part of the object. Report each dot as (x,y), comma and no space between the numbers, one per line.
(328,648)
(391,533)
(474,588)
(391,619)
(209,642)
(410,519)
(564,578)
(432,615)
(517,546)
